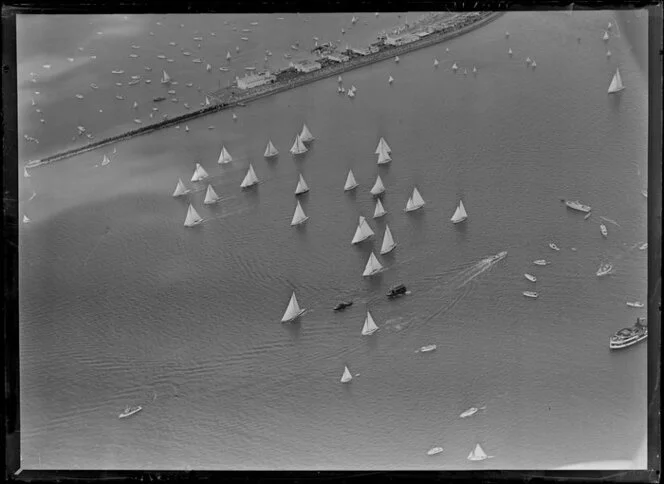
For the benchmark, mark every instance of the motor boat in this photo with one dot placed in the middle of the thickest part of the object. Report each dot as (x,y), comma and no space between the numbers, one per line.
(629,336)
(531,294)
(540,262)
(635,304)
(530,277)
(129,411)
(159,99)
(343,305)
(434,451)
(576,205)
(604,269)
(554,246)
(470,412)
(427,348)
(602,228)
(396,291)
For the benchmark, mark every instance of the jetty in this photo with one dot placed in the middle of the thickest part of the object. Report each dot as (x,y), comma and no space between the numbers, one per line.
(231,97)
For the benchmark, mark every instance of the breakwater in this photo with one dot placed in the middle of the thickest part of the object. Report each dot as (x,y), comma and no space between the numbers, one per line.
(229,98)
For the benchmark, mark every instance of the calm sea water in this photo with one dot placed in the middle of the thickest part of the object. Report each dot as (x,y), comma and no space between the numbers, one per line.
(121,305)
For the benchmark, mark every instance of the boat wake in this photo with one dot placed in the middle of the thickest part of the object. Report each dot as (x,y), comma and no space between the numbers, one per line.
(606,219)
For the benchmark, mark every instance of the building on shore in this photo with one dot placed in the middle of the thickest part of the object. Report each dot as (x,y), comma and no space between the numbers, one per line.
(401,39)
(338,58)
(306,66)
(254,80)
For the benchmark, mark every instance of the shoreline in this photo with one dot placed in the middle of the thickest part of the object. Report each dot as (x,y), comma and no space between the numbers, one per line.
(260,92)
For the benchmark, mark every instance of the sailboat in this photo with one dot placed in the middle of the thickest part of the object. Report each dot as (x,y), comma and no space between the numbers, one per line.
(435,62)
(270,150)
(474,70)
(250,178)
(340,80)
(605,37)
(180,189)
(350,181)
(306,135)
(26,220)
(26,174)
(207,99)
(302,186)
(293,310)
(415,201)
(616,83)
(298,147)
(382,144)
(199,173)
(165,78)
(299,216)
(383,156)
(224,156)
(228,55)
(477,453)
(372,267)
(388,242)
(608,53)
(396,59)
(105,161)
(460,214)
(379,211)
(390,80)
(192,217)
(135,105)
(369,325)
(362,232)
(211,196)
(378,187)
(208,67)
(509,52)
(455,67)
(346,377)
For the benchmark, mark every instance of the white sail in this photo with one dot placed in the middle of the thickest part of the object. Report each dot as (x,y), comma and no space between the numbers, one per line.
(435,62)
(302,186)
(270,150)
(390,80)
(379,211)
(388,242)
(250,178)
(372,267)
(460,214)
(362,232)
(228,55)
(180,189)
(210,196)
(616,83)
(383,144)
(346,377)
(369,325)
(192,217)
(26,174)
(165,78)
(298,146)
(454,66)
(199,173)
(306,135)
(415,201)
(293,310)
(135,105)
(383,157)
(26,220)
(477,453)
(105,161)
(299,215)
(207,99)
(605,36)
(378,187)
(350,181)
(224,156)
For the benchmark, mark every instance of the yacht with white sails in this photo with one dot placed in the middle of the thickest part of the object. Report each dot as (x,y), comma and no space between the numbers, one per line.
(379,211)
(415,201)
(388,242)
(193,218)
(362,232)
(270,150)
(250,178)
(369,326)
(372,267)
(211,196)
(459,214)
(199,173)
(350,182)
(616,83)
(293,311)
(299,216)
(378,187)
(346,377)
(298,147)
(224,156)
(302,186)
(180,189)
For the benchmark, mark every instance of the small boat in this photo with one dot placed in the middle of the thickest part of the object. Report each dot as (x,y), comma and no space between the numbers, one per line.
(587,216)
(119,84)
(250,179)
(129,411)
(133,56)
(460,214)
(604,269)
(211,196)
(193,218)
(350,181)
(293,311)
(428,348)
(576,205)
(435,62)
(602,228)
(79,96)
(635,304)
(616,83)
(540,262)
(378,187)
(605,37)
(534,64)
(465,72)
(70,59)
(390,80)
(554,246)
(396,59)
(528,61)
(455,67)
(530,277)
(196,61)
(94,86)
(362,232)
(298,147)
(299,216)
(302,186)
(199,173)
(415,201)
(608,53)
(147,68)
(644,193)
(373,266)
(369,326)
(388,242)
(121,98)
(171,92)
(172,44)
(379,211)
(161,56)
(186,53)
(507,35)
(626,337)
(474,70)
(165,78)
(531,294)
(234,117)
(270,150)
(435,450)
(346,377)
(138,121)
(643,246)
(470,412)
(26,220)
(396,291)
(26,174)
(180,189)
(509,52)
(342,305)
(134,82)
(244,38)
(478,454)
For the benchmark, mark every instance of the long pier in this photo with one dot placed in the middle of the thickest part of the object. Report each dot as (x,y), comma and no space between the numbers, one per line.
(253,94)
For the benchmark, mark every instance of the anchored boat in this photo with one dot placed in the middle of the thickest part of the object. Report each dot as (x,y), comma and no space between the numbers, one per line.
(129,411)
(293,311)
(629,336)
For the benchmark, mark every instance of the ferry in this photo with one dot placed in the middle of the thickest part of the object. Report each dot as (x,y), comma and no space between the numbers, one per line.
(129,411)
(576,205)
(629,336)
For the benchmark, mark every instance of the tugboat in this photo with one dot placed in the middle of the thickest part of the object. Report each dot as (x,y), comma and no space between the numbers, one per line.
(396,291)
(629,336)
(342,305)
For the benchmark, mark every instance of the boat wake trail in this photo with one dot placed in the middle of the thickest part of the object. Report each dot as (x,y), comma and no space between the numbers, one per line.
(606,219)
